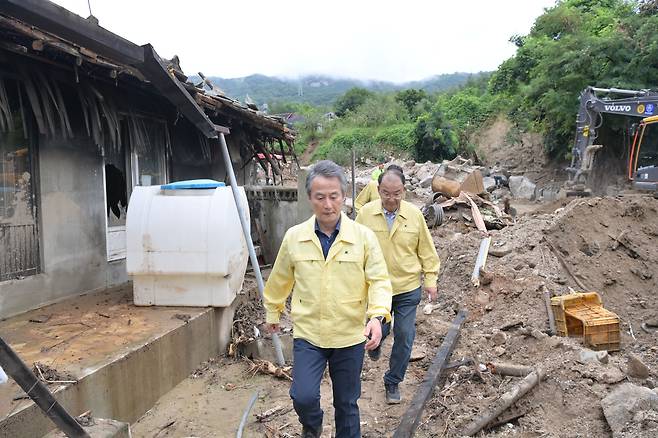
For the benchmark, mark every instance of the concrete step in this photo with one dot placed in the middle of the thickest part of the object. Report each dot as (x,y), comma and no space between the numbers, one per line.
(121,357)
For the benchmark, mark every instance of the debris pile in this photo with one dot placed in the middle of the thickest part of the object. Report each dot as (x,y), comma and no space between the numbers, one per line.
(608,245)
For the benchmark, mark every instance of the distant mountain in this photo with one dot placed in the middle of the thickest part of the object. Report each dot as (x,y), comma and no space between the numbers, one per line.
(322,90)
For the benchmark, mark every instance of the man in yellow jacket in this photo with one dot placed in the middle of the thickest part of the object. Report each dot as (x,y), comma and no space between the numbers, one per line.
(338,279)
(369,193)
(410,254)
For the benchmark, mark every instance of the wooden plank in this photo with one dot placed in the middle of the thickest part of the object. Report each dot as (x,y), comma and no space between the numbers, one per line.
(411,417)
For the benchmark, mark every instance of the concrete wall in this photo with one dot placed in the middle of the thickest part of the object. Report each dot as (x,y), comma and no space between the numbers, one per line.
(71,217)
(276,209)
(304,209)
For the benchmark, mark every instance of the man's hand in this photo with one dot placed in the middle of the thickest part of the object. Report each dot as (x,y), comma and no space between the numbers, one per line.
(373,332)
(431,293)
(272,328)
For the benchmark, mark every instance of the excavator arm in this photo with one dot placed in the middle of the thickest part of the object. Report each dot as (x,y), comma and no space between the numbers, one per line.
(636,103)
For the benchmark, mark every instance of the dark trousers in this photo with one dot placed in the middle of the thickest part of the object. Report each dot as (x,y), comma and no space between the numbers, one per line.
(403,310)
(345,366)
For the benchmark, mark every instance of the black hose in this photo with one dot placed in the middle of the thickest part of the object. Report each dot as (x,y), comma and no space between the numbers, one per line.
(243,422)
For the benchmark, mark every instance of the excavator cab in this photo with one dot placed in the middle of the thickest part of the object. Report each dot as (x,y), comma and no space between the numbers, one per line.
(643,156)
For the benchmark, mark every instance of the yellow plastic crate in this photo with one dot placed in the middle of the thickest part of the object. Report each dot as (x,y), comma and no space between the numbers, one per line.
(583,315)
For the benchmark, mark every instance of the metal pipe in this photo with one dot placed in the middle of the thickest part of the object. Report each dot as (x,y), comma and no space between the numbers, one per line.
(246,230)
(39,393)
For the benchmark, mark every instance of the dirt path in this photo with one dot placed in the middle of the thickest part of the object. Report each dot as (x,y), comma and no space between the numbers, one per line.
(305,159)
(566,403)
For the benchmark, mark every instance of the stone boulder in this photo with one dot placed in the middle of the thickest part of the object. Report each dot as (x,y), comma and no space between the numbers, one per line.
(425,170)
(626,404)
(522,188)
(426,182)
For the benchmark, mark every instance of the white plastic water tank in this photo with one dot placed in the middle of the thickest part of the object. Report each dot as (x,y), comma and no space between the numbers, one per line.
(185,245)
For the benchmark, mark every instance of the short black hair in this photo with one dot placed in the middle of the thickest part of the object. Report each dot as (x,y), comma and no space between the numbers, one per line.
(394,169)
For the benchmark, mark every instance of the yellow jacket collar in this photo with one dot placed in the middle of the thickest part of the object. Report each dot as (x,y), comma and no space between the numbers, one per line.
(346,232)
(402,211)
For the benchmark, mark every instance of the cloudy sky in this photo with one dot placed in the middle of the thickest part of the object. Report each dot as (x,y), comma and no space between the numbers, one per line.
(366,39)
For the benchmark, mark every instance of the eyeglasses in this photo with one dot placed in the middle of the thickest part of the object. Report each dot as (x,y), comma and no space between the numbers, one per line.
(391,195)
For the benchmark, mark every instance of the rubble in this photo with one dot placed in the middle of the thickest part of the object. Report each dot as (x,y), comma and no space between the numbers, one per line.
(586,355)
(636,368)
(629,404)
(547,250)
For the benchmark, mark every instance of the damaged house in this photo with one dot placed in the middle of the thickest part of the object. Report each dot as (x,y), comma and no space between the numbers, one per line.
(85,116)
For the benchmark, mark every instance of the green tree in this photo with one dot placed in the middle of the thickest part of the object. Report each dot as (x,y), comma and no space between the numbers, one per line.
(351,100)
(435,139)
(607,43)
(410,98)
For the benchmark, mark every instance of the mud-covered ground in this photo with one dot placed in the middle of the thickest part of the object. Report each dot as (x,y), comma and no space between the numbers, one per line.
(609,245)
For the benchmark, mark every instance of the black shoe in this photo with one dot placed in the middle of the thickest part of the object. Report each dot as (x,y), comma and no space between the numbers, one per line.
(392,394)
(307,432)
(375,354)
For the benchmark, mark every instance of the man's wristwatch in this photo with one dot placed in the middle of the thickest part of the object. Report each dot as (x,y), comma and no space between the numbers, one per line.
(380,319)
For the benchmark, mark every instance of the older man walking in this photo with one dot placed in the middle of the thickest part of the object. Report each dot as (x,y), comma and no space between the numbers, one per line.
(410,254)
(337,274)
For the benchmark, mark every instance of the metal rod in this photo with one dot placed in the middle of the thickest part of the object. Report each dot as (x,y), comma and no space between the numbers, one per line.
(353,184)
(246,230)
(245,415)
(39,393)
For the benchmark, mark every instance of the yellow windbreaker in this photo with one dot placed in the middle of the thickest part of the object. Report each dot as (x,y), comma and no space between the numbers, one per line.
(332,298)
(408,247)
(369,193)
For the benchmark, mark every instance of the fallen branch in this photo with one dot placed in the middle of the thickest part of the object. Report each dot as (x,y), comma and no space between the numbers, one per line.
(267,367)
(504,402)
(271,413)
(411,417)
(507,369)
(564,265)
(55,376)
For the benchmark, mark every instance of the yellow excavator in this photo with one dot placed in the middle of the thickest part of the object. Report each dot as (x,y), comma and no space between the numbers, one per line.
(642,169)
(643,156)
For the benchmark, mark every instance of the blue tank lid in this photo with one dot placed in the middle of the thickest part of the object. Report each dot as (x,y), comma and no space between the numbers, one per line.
(193,184)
